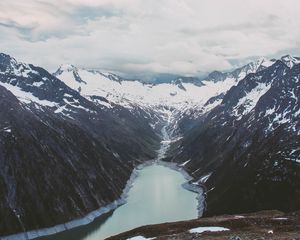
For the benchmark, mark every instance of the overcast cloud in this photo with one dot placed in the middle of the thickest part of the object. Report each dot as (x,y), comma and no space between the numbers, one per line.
(187,37)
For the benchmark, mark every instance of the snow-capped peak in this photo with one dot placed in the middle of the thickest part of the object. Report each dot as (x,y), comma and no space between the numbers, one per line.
(265,62)
(258,65)
(183,92)
(9,65)
(67,67)
(290,61)
(239,73)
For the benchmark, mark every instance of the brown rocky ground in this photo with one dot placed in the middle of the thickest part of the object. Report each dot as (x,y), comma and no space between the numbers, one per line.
(264,225)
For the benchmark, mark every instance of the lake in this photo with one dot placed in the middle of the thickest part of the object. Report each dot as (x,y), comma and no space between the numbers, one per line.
(156,196)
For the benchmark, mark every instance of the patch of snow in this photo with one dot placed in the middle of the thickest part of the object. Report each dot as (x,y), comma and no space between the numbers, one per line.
(282,218)
(249,101)
(6,129)
(26,97)
(105,104)
(239,216)
(266,62)
(186,162)
(100,102)
(19,69)
(76,106)
(290,61)
(139,238)
(205,178)
(210,190)
(61,109)
(270,111)
(38,84)
(208,229)
(66,67)
(212,105)
(196,171)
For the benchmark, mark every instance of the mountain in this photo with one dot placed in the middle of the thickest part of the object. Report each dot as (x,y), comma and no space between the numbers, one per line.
(181,92)
(241,72)
(245,150)
(130,93)
(69,141)
(214,86)
(194,80)
(61,155)
(290,61)
(230,128)
(182,98)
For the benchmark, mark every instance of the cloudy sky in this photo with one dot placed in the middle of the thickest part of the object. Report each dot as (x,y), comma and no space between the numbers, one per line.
(188,37)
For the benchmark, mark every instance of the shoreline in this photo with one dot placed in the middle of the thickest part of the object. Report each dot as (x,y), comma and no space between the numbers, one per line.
(90,217)
(199,189)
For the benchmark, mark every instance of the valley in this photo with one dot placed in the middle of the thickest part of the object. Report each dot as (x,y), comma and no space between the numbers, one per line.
(156,192)
(149,120)
(73,141)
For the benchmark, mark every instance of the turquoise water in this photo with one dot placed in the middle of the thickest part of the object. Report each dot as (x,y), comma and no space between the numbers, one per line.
(155,197)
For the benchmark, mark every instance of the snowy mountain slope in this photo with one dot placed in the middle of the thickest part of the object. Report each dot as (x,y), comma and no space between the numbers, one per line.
(241,72)
(290,61)
(246,149)
(189,117)
(34,85)
(38,89)
(176,94)
(184,97)
(128,93)
(61,154)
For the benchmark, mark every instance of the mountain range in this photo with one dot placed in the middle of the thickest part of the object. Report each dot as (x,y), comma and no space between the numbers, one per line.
(70,140)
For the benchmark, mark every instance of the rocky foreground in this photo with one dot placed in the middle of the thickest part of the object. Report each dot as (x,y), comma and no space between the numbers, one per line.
(265,225)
